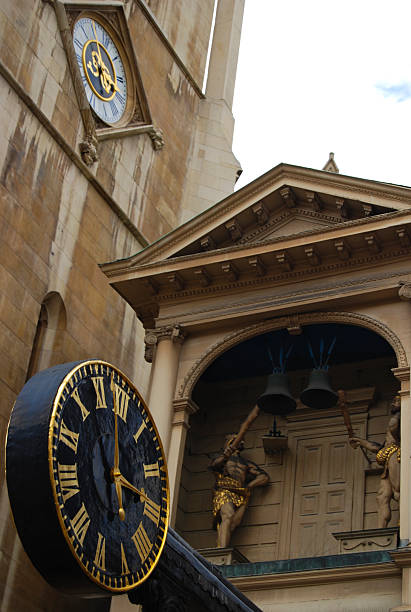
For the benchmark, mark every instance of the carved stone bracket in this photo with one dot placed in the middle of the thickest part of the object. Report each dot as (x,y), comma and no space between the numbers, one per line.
(88,149)
(403,236)
(403,375)
(314,200)
(404,292)
(157,138)
(175,333)
(176,282)
(207,243)
(288,196)
(260,212)
(372,243)
(230,271)
(234,229)
(202,276)
(343,250)
(341,207)
(285,261)
(312,256)
(257,266)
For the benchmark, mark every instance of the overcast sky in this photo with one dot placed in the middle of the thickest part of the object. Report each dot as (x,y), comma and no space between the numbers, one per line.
(319,76)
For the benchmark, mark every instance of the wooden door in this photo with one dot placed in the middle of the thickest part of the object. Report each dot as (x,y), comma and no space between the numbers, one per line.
(323,495)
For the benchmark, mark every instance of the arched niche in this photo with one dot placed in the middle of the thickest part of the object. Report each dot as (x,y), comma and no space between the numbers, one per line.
(267,530)
(48,341)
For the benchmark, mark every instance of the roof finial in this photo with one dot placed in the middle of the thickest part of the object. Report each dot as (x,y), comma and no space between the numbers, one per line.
(331,166)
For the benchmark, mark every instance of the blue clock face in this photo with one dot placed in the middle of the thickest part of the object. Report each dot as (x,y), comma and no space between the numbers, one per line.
(108,476)
(102,69)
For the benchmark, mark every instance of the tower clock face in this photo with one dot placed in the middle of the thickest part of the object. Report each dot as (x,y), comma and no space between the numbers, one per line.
(102,69)
(92,477)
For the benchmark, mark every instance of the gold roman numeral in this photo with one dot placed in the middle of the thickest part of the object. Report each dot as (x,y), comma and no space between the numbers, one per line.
(122,400)
(68,437)
(100,393)
(124,566)
(142,543)
(100,558)
(75,395)
(81,523)
(151,469)
(152,510)
(68,480)
(140,430)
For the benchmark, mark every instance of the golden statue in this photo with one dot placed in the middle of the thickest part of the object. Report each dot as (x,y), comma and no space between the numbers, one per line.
(389,456)
(235,478)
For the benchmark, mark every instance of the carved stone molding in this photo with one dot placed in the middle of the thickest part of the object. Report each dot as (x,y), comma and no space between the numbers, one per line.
(175,333)
(234,338)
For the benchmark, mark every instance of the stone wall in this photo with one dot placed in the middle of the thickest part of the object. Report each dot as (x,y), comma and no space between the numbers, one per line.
(59,219)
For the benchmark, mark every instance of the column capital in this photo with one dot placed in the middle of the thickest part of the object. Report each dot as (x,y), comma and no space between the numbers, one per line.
(175,333)
(183,409)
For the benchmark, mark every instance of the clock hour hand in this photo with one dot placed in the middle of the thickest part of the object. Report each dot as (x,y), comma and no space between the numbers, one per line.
(125,483)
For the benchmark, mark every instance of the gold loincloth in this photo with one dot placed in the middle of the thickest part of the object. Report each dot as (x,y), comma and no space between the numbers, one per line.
(385,453)
(228,489)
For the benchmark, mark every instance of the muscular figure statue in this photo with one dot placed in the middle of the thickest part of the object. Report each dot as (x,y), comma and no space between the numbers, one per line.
(388,455)
(235,477)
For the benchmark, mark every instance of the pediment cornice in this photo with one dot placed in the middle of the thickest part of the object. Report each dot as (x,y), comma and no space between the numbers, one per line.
(380,196)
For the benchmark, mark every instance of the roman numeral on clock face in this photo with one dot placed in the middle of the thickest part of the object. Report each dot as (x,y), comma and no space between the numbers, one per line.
(151,469)
(100,558)
(142,543)
(152,510)
(70,438)
(124,565)
(99,389)
(68,480)
(84,412)
(140,431)
(80,523)
(122,400)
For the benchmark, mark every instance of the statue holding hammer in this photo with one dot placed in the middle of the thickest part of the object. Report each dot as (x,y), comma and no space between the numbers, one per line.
(235,478)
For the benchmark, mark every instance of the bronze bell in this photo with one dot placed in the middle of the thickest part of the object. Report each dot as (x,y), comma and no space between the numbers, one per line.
(277,398)
(318,393)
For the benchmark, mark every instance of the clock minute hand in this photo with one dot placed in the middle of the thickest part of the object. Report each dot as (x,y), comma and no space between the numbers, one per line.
(116,471)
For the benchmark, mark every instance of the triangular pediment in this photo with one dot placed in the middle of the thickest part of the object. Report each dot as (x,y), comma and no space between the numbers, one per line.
(287,201)
(290,224)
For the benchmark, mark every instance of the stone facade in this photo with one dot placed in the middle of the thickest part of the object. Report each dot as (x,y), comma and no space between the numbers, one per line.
(75,194)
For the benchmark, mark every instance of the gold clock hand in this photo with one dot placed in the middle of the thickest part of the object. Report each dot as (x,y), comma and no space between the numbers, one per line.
(115,471)
(126,483)
(97,42)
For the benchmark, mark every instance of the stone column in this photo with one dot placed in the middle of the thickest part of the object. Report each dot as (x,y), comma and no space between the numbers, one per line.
(403,557)
(167,343)
(183,408)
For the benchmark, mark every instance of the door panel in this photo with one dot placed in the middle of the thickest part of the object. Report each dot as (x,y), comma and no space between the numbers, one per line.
(322,495)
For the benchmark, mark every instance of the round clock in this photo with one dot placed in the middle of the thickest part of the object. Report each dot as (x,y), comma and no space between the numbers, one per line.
(103,68)
(87,479)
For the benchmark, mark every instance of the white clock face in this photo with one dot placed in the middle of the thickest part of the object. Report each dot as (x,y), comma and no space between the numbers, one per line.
(101,68)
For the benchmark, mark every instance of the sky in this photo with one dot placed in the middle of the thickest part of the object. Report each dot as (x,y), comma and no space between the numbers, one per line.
(316,76)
